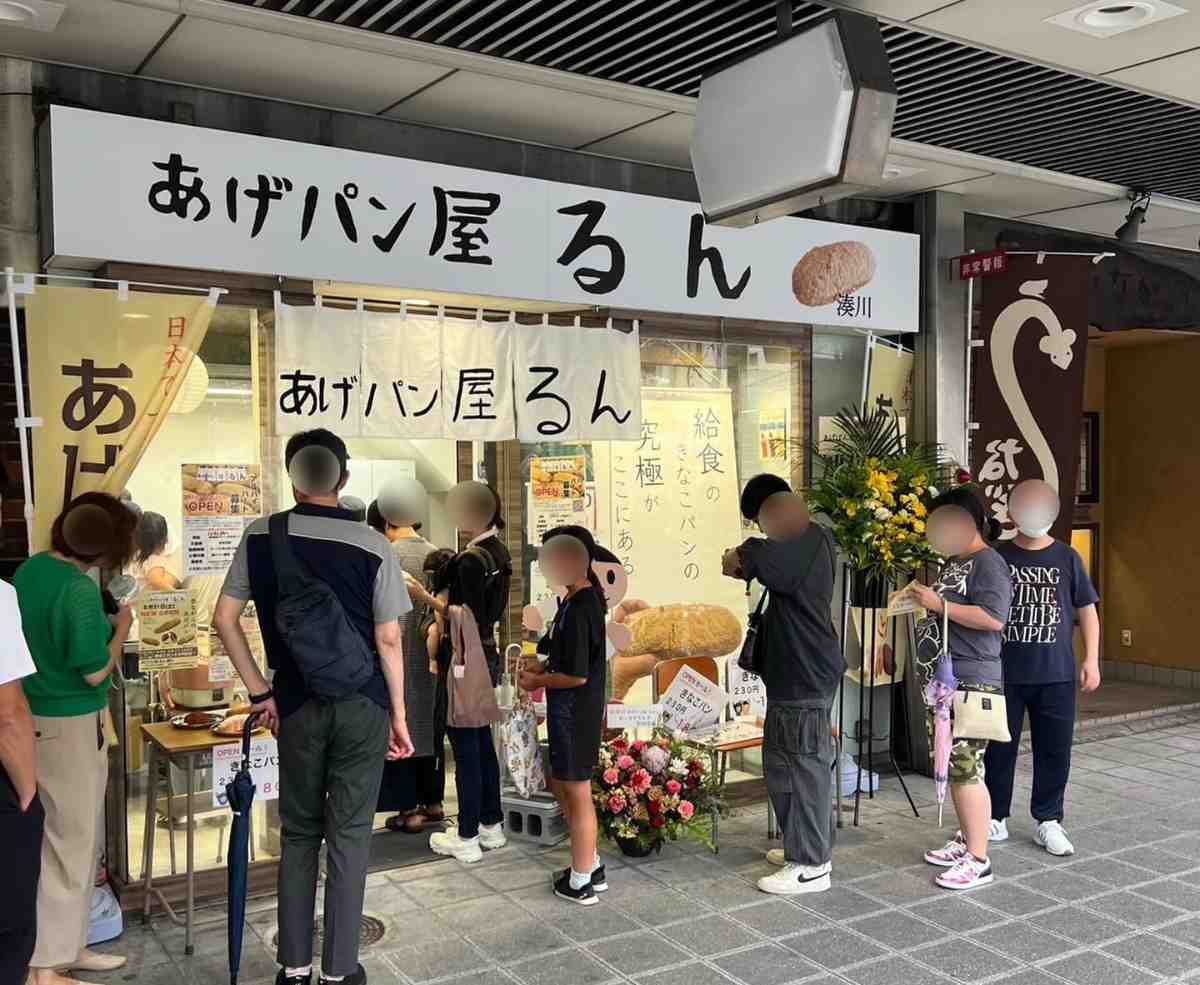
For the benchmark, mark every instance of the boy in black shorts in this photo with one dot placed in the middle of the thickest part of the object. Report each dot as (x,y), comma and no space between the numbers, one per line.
(573,674)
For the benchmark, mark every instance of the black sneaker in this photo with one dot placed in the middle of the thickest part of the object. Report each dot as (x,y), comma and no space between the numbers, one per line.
(358,978)
(599,879)
(584,897)
(284,979)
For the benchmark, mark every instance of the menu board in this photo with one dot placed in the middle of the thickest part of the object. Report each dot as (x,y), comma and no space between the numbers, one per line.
(167,622)
(219,501)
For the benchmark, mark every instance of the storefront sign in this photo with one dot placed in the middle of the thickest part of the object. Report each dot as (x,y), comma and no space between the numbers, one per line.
(167,624)
(692,703)
(104,369)
(988,264)
(1028,380)
(145,191)
(400,376)
(264,769)
(219,501)
(633,716)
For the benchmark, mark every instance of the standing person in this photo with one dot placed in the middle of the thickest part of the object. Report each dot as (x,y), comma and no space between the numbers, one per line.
(803,666)
(412,787)
(75,648)
(21,813)
(575,664)
(331,749)
(1050,588)
(973,591)
(150,566)
(479,578)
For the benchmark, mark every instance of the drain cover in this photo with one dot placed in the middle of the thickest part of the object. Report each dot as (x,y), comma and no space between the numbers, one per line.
(371,931)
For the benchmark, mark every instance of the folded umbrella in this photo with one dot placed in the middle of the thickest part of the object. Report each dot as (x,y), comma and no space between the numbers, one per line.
(939,697)
(240,796)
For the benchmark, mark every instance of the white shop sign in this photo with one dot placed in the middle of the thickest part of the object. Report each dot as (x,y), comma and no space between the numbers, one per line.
(144,191)
(264,769)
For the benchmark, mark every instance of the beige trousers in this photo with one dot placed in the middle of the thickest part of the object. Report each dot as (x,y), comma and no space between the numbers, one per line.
(72,769)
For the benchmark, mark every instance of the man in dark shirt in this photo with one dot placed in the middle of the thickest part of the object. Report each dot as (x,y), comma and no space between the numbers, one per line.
(331,753)
(795,564)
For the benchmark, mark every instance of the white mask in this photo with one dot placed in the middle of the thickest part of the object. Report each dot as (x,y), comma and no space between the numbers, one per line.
(1035,532)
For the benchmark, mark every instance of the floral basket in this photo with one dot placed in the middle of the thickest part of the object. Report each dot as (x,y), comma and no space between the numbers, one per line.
(649,791)
(874,487)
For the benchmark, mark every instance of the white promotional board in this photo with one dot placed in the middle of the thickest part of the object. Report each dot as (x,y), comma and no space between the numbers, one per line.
(692,703)
(264,769)
(671,499)
(633,716)
(145,191)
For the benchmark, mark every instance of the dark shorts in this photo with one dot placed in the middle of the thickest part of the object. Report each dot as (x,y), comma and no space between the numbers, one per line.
(574,743)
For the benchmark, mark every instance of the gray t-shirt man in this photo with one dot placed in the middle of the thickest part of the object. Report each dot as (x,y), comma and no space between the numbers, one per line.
(983,579)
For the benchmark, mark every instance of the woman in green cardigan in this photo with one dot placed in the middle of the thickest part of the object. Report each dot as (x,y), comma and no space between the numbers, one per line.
(75,647)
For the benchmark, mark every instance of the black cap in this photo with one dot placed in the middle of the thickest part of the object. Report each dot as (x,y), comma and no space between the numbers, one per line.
(758,490)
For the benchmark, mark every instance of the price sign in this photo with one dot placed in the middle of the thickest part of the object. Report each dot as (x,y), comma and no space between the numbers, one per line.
(264,769)
(634,716)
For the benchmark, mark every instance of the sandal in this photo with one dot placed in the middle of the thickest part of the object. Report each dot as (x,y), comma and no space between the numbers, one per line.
(399,823)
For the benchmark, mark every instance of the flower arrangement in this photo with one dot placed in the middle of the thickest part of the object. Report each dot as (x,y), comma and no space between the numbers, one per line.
(875,488)
(647,791)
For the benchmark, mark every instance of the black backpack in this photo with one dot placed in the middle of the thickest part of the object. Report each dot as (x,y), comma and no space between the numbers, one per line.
(495,589)
(333,658)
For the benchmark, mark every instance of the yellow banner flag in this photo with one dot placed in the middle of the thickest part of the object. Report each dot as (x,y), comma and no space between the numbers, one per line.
(103,373)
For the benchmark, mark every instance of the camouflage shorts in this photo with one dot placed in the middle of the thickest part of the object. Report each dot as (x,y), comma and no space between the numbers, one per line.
(966,755)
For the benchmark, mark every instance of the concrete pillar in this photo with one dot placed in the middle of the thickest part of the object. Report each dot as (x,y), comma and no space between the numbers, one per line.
(18,191)
(939,371)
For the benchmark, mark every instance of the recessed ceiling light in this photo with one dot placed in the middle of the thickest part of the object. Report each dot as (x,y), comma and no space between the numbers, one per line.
(15,13)
(1106,19)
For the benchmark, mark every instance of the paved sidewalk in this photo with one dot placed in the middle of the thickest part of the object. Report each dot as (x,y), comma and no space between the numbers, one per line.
(1123,911)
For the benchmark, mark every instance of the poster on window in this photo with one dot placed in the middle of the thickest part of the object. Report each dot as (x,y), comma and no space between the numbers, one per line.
(1028,380)
(219,500)
(167,627)
(559,494)
(670,499)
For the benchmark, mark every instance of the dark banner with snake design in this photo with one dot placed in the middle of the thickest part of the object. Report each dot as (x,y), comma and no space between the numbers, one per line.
(1027,380)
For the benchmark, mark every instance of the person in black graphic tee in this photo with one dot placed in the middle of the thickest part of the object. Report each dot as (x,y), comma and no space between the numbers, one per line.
(574,657)
(1051,589)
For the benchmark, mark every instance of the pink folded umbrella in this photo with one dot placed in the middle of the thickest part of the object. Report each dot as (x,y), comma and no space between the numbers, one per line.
(939,696)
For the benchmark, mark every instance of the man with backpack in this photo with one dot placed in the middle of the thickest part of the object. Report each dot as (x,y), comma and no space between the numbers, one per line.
(329,596)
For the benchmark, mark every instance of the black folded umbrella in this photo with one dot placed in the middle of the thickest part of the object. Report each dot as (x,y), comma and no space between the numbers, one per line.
(240,795)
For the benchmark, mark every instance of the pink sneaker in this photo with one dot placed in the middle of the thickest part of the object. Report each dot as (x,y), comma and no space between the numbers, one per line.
(949,855)
(967,873)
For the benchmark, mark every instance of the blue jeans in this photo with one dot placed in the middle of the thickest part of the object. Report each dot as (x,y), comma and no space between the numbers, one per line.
(1051,710)
(477,778)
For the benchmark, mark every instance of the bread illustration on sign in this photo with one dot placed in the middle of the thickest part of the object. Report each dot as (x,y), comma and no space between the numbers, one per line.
(826,273)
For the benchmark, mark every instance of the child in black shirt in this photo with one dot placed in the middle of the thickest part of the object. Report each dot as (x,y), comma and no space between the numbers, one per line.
(573,650)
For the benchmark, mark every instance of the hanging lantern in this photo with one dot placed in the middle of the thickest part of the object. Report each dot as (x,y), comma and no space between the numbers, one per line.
(194,390)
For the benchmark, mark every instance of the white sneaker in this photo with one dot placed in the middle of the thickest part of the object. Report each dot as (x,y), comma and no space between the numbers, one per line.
(1051,836)
(998,830)
(449,843)
(794,879)
(776,857)
(492,836)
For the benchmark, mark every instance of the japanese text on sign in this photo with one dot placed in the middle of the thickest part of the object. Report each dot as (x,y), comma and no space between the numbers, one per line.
(264,769)
(633,716)
(692,704)
(167,622)
(222,200)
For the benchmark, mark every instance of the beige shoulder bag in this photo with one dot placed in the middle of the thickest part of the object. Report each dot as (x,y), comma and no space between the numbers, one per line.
(977,714)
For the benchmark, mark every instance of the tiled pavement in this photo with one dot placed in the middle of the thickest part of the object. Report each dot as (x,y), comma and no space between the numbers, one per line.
(1123,911)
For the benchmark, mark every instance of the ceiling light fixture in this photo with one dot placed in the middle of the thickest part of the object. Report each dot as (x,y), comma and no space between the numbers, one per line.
(425,302)
(1106,19)
(15,13)
(1130,230)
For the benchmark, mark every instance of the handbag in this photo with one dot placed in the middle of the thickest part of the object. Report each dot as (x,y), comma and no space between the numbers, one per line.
(471,699)
(975,714)
(753,656)
(522,756)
